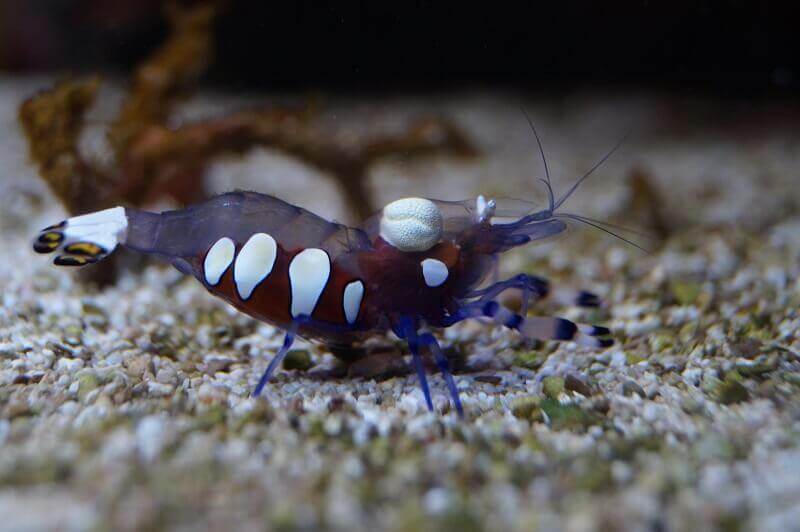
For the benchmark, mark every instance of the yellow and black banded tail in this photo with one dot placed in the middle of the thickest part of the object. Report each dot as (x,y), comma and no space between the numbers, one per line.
(85,239)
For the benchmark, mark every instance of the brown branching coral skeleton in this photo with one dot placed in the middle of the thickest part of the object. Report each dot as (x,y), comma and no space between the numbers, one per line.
(153,159)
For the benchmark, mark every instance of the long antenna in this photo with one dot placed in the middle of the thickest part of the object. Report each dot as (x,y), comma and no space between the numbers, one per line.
(544,161)
(621,228)
(574,187)
(598,226)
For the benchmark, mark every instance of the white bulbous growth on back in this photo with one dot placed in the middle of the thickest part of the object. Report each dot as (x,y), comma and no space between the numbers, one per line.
(411,224)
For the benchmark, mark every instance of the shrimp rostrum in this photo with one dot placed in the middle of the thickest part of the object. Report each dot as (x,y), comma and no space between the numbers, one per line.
(417,265)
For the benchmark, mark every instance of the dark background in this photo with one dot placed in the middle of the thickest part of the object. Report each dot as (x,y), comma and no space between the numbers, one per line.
(734,48)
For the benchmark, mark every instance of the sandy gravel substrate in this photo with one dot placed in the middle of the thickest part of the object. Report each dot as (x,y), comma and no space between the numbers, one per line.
(128,408)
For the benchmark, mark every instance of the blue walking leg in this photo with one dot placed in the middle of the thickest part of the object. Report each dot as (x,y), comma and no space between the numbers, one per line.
(530,283)
(287,344)
(444,366)
(538,287)
(406,330)
(423,380)
(541,328)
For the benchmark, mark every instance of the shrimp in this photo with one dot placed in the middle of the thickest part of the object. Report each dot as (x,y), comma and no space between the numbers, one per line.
(418,264)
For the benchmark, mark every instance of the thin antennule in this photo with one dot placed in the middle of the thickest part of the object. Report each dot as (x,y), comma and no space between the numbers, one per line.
(546,181)
(574,187)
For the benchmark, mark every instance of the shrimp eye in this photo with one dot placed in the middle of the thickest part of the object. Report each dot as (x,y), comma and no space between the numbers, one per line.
(411,224)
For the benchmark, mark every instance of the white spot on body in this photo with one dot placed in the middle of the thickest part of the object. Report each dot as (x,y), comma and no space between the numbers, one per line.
(218,259)
(105,228)
(309,272)
(411,224)
(254,263)
(351,300)
(480,204)
(435,272)
(484,210)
